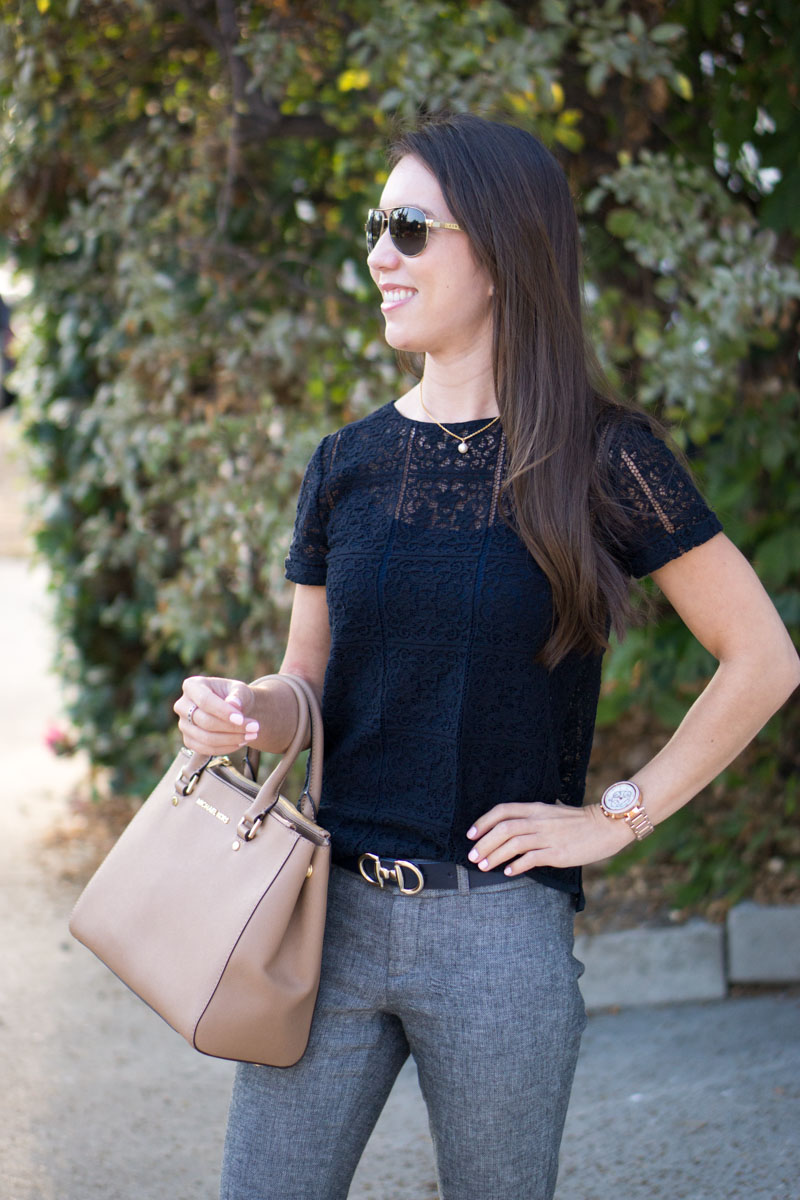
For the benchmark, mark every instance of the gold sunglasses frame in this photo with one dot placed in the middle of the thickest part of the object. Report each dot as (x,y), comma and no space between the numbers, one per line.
(386,214)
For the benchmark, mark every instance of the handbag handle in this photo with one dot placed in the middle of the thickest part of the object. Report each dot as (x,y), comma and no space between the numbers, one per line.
(253,756)
(308,710)
(269,791)
(309,713)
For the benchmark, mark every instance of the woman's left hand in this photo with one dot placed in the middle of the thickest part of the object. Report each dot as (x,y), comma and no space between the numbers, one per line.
(544,835)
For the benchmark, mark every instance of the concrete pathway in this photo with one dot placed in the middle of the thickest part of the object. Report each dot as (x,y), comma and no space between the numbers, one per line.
(101,1101)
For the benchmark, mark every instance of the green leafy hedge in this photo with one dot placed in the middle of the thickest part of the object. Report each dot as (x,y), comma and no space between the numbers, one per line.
(185,183)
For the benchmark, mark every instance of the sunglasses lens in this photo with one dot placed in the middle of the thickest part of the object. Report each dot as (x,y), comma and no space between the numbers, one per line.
(408,230)
(374,228)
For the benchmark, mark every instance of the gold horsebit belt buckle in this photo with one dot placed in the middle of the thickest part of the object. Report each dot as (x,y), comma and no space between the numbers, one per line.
(393,874)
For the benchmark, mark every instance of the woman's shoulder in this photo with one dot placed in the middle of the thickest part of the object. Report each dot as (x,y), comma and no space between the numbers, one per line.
(621,430)
(370,423)
(356,441)
(373,424)
(632,447)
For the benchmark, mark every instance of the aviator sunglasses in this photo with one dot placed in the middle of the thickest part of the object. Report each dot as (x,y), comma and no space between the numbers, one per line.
(408,228)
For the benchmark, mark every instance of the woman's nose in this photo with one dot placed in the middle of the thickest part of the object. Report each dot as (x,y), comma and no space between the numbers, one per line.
(383,255)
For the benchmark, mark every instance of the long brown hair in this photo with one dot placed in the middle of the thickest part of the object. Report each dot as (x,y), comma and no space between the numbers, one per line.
(512,198)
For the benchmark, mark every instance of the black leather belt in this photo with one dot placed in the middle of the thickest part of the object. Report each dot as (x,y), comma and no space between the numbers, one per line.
(410,878)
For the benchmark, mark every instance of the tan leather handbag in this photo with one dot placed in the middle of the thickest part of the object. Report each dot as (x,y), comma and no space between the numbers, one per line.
(211,906)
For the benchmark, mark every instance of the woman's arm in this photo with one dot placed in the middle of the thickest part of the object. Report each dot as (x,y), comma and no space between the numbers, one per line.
(229,714)
(719,597)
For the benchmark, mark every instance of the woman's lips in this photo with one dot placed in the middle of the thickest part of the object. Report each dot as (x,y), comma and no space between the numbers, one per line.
(394,297)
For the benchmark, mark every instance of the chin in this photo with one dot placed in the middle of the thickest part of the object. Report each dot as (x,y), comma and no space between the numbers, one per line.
(406,347)
(400,341)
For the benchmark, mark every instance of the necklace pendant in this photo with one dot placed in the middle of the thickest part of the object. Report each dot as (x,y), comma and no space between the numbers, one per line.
(462,447)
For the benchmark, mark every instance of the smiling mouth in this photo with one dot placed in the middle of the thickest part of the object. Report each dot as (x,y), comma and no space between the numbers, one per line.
(396,296)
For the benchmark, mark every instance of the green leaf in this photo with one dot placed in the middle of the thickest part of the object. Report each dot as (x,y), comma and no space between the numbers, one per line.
(636,26)
(596,77)
(622,222)
(666,33)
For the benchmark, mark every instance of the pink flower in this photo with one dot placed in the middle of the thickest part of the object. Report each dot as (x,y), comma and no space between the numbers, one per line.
(59,741)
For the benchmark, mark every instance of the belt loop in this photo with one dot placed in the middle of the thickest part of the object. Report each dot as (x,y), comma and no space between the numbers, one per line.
(463,880)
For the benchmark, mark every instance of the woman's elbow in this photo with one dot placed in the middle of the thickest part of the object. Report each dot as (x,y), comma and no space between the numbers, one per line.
(790,674)
(766,664)
(779,668)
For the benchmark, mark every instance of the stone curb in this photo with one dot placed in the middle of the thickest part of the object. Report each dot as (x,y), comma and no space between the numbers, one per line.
(759,944)
(764,943)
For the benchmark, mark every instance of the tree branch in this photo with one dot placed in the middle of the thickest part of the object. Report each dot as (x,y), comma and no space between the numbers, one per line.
(237,68)
(207,29)
(256,119)
(211,252)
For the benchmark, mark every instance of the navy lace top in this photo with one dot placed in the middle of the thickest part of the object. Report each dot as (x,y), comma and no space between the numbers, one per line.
(434,707)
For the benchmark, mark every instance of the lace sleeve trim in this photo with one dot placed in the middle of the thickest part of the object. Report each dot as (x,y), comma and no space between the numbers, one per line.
(648,491)
(665,513)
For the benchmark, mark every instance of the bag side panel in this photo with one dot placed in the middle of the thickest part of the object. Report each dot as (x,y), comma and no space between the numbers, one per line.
(262,1008)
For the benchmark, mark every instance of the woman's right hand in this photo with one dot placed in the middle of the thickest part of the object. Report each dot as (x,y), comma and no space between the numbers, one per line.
(213,714)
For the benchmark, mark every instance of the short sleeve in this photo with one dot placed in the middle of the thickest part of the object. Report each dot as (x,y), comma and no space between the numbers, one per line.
(308,552)
(666,515)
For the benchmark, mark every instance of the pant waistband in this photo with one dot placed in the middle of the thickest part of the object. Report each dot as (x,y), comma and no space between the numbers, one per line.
(410,877)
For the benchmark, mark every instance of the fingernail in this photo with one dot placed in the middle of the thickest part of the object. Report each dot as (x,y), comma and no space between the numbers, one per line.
(484,865)
(472,832)
(473,856)
(508,871)
(250,737)
(233,699)
(236,719)
(251,727)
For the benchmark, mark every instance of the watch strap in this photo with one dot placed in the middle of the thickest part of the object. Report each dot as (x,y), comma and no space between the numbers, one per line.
(639,822)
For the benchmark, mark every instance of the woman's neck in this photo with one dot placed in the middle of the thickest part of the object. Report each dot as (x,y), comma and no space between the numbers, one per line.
(452,394)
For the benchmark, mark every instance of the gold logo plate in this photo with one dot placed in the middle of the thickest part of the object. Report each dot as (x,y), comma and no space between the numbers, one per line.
(209,808)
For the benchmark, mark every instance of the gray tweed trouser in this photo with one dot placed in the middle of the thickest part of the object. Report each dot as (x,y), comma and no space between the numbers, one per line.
(481,987)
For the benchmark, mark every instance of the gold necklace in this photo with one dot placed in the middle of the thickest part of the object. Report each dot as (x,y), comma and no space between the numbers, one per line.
(462,441)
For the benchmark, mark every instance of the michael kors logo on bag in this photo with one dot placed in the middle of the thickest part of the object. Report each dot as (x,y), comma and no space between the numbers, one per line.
(209,808)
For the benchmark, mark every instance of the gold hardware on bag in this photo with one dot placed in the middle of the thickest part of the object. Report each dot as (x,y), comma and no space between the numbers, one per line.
(236,845)
(392,874)
(188,784)
(249,831)
(310,871)
(175,801)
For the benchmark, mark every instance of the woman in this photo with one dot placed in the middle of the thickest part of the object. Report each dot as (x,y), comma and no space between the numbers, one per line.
(460,555)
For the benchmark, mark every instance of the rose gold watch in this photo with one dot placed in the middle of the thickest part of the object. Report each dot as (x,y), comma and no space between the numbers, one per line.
(622,801)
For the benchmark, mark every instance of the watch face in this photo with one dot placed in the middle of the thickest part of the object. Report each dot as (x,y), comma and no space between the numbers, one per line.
(620,798)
